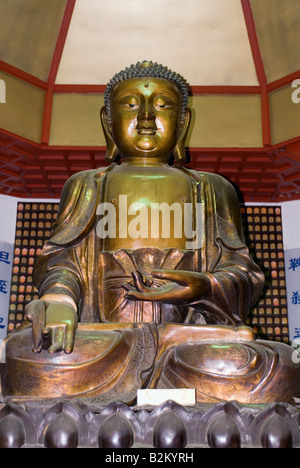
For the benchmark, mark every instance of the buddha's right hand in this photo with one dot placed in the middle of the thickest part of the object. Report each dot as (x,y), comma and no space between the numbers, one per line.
(53,325)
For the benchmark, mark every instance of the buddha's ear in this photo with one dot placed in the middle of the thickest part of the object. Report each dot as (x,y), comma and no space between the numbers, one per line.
(111,149)
(179,150)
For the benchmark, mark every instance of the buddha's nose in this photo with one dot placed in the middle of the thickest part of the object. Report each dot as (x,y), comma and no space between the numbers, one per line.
(146,121)
(145,115)
(146,112)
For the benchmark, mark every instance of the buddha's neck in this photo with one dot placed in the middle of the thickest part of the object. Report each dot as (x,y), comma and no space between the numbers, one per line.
(145,162)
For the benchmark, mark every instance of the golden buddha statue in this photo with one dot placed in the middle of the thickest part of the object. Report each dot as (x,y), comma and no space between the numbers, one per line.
(146,280)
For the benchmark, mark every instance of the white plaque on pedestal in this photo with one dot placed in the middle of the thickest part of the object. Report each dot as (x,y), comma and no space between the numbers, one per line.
(157,396)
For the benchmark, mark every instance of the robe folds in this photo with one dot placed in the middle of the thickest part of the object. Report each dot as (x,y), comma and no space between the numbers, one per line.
(72,262)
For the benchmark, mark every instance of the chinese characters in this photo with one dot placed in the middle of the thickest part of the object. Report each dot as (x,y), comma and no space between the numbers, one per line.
(294,263)
(3,286)
(295,298)
(5,274)
(4,256)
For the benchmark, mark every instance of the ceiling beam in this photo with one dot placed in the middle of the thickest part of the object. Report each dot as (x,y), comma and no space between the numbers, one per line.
(284,81)
(22,75)
(260,71)
(254,44)
(62,36)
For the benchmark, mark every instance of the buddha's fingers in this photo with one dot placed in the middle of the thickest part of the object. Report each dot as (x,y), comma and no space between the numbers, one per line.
(69,339)
(58,339)
(139,284)
(36,313)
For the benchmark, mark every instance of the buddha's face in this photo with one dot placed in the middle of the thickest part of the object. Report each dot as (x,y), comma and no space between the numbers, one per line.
(146,116)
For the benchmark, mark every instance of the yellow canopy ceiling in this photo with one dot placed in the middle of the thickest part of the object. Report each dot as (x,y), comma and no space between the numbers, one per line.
(205,40)
(240,58)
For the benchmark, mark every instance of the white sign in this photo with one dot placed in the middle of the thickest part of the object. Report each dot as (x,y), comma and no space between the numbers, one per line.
(157,396)
(292,269)
(6,263)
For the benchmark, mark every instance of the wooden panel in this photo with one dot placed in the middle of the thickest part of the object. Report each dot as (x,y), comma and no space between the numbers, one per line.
(76,120)
(277,24)
(285,115)
(23,111)
(218,121)
(226,121)
(32,170)
(28,34)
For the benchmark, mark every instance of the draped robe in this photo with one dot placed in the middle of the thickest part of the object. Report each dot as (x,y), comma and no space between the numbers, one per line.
(69,263)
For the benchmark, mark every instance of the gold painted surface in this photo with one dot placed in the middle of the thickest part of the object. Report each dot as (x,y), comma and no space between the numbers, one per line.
(217,121)
(225,121)
(278,29)
(285,115)
(23,111)
(76,120)
(28,34)
(205,41)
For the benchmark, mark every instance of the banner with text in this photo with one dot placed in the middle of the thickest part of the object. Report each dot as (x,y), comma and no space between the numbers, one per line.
(292,268)
(6,263)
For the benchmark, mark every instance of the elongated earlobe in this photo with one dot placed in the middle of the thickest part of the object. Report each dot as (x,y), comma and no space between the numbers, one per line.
(179,150)
(111,149)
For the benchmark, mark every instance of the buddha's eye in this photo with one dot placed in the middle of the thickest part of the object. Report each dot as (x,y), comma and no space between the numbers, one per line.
(163,103)
(129,102)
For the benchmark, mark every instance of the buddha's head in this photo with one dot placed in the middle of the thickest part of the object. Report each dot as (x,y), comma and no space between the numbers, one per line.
(145,114)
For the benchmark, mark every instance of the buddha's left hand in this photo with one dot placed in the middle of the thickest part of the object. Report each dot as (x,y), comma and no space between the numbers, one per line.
(183,288)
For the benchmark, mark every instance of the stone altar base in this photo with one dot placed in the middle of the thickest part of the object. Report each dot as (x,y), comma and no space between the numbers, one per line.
(80,423)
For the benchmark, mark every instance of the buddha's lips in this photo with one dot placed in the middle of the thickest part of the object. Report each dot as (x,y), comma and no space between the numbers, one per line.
(146,128)
(146,131)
